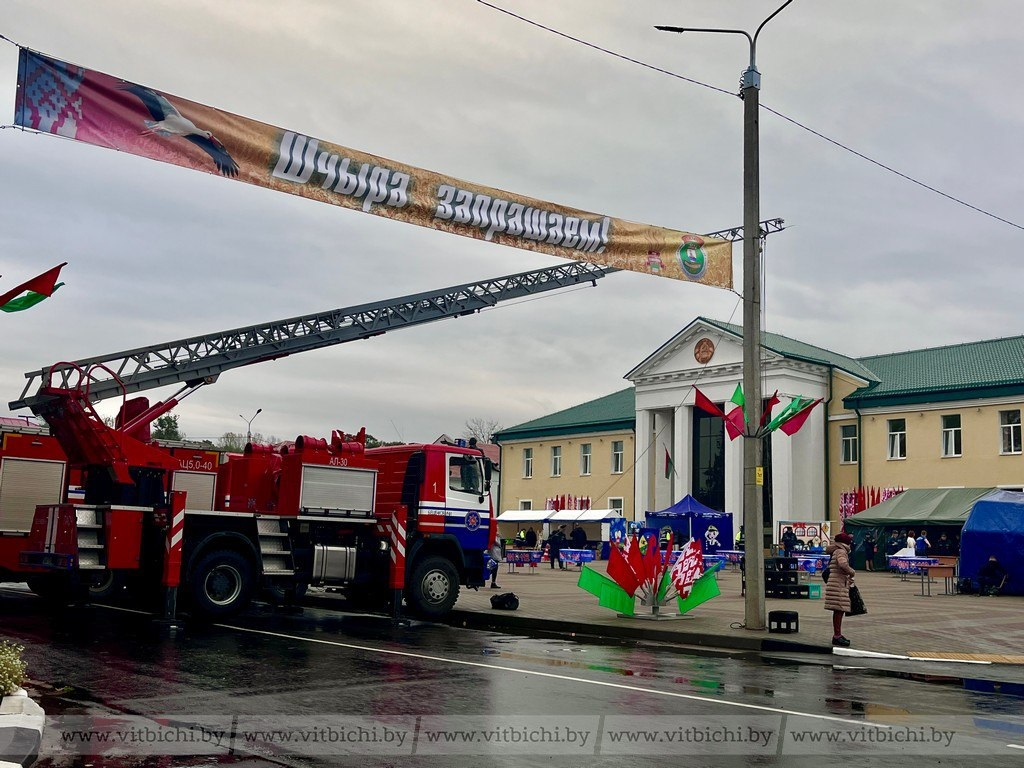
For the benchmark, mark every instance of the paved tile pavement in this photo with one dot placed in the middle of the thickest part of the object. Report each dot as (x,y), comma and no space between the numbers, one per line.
(899,620)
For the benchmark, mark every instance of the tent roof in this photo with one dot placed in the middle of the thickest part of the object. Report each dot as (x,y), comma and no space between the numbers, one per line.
(921,506)
(584,515)
(525,515)
(684,506)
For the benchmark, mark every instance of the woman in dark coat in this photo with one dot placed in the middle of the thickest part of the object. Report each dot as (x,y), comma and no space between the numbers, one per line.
(837,590)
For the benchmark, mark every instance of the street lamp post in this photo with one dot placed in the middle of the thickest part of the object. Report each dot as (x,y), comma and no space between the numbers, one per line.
(248,424)
(753,522)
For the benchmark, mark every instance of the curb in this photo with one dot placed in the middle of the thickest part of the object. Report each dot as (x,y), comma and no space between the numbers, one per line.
(21,730)
(506,621)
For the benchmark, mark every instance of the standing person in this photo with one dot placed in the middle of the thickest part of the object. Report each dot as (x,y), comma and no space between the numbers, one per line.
(837,589)
(739,539)
(578,537)
(555,543)
(894,544)
(531,538)
(944,546)
(495,559)
(869,552)
(921,544)
(911,540)
(788,541)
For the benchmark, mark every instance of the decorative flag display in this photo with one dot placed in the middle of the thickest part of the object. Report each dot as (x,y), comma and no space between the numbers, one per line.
(652,576)
(670,467)
(34,290)
(789,420)
(77,103)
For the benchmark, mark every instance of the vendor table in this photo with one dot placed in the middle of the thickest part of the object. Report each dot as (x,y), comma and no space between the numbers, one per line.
(732,556)
(519,557)
(578,556)
(905,565)
(915,565)
(812,563)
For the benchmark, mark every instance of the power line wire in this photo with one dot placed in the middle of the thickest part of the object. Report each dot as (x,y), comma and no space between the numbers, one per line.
(775,112)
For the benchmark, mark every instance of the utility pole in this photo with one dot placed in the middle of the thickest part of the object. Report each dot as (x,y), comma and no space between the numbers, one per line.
(753,470)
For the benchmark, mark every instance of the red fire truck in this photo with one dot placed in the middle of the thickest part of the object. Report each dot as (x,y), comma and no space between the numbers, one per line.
(382,524)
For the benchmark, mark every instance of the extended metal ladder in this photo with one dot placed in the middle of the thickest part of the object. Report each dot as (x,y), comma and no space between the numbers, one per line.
(200,360)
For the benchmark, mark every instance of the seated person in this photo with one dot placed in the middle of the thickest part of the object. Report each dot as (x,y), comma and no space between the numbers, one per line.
(991,577)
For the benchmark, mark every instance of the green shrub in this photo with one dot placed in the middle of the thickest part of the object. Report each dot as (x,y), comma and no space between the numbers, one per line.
(12,668)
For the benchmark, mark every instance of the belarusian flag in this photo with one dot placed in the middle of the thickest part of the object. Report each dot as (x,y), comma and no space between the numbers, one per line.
(608,593)
(621,572)
(670,467)
(35,290)
(793,424)
(703,589)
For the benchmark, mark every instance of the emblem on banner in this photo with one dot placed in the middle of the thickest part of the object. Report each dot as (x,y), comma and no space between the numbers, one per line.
(692,257)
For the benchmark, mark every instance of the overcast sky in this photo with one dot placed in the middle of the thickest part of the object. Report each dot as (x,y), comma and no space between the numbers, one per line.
(870,263)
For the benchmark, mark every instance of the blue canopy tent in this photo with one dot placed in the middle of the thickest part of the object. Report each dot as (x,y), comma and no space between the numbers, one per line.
(688,518)
(995,526)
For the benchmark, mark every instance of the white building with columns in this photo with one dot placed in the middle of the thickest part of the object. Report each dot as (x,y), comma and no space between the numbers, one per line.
(708,354)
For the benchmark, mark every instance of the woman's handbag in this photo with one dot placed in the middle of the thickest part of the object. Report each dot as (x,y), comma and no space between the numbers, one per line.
(857,607)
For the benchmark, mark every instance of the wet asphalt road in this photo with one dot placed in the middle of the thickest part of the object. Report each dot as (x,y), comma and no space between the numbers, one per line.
(326,689)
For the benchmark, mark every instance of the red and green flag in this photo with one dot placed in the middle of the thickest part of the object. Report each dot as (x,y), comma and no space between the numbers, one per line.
(32,291)
(670,467)
(793,416)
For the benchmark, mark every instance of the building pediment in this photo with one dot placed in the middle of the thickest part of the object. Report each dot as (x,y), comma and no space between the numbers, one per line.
(701,349)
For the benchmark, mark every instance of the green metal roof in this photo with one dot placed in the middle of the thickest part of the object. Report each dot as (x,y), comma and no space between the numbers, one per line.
(798,350)
(610,413)
(992,368)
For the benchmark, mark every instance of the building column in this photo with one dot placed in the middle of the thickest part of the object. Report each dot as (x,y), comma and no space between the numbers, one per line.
(663,437)
(682,450)
(642,471)
(734,480)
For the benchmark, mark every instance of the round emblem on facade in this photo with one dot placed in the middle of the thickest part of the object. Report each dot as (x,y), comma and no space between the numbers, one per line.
(472,521)
(704,351)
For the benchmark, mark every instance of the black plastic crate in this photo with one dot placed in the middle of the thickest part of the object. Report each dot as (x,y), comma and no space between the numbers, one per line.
(785,622)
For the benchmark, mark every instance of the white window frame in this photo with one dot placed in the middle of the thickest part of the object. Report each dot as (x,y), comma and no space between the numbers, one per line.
(586,458)
(526,505)
(848,445)
(556,461)
(897,441)
(617,502)
(952,436)
(527,463)
(618,457)
(1010,432)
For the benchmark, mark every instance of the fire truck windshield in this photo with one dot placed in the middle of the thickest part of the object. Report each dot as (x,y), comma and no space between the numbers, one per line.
(464,474)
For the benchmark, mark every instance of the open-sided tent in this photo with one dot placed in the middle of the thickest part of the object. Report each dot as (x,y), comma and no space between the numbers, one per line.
(511,521)
(597,523)
(930,508)
(689,518)
(995,527)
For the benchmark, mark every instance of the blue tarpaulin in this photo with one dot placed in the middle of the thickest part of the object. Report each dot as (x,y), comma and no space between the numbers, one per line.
(995,526)
(689,518)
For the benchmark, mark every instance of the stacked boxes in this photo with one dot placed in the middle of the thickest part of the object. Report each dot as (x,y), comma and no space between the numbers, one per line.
(782,579)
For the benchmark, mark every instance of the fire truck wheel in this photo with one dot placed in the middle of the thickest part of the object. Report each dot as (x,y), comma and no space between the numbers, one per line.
(105,586)
(51,587)
(288,595)
(221,583)
(434,587)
